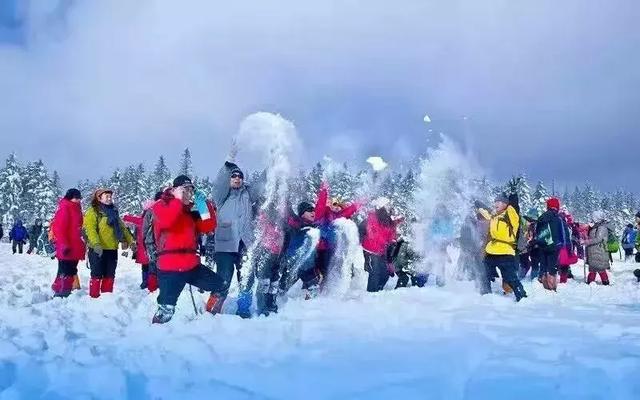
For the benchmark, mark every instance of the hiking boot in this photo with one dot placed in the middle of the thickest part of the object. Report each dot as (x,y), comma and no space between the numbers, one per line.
(164,314)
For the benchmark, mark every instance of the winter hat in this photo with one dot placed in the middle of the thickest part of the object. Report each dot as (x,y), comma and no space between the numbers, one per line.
(304,207)
(73,194)
(236,170)
(502,198)
(553,204)
(100,192)
(381,202)
(597,216)
(157,196)
(182,180)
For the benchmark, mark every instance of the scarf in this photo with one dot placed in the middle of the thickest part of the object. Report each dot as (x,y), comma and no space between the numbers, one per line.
(113,219)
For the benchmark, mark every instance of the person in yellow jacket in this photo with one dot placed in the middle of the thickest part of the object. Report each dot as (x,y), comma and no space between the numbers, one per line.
(501,246)
(104,232)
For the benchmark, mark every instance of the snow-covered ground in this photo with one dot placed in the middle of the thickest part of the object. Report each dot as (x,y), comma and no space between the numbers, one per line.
(433,343)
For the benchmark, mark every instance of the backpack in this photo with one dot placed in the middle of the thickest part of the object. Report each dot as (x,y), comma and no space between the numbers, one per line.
(148,235)
(545,236)
(613,242)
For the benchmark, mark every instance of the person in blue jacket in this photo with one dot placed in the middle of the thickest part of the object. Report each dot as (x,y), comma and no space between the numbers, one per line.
(18,236)
(629,236)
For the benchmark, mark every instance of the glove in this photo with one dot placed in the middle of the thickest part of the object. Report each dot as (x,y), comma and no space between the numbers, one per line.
(391,269)
(513,185)
(66,251)
(98,250)
(200,204)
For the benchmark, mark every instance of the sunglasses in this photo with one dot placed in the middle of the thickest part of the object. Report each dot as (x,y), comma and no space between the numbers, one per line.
(236,176)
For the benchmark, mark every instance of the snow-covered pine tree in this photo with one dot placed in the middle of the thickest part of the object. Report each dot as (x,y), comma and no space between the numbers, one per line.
(11,190)
(129,195)
(38,197)
(524,194)
(578,206)
(115,183)
(86,188)
(540,197)
(161,176)
(341,183)
(591,201)
(567,200)
(56,186)
(186,164)
(312,182)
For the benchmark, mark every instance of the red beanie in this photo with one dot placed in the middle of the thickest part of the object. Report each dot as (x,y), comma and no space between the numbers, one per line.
(553,203)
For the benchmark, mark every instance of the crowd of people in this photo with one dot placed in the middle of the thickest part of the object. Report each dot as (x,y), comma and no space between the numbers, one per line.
(269,246)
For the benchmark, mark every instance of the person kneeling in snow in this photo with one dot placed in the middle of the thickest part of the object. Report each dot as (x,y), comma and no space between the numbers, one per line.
(175,229)
(380,231)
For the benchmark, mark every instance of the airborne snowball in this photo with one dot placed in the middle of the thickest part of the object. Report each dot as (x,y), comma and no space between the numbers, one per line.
(377,163)
(427,119)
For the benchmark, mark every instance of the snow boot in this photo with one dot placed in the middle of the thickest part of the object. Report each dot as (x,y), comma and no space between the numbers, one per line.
(311,292)
(94,287)
(272,304)
(604,277)
(244,305)
(152,282)
(76,283)
(107,285)
(519,291)
(636,273)
(506,288)
(145,279)
(62,286)
(549,282)
(164,314)
(214,304)
(261,304)
(591,277)
(56,286)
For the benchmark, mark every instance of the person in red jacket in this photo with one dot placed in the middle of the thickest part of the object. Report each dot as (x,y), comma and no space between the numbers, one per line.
(142,257)
(380,230)
(176,228)
(327,211)
(70,248)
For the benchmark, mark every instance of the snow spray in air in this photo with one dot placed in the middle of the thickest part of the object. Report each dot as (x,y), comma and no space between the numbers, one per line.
(444,197)
(273,139)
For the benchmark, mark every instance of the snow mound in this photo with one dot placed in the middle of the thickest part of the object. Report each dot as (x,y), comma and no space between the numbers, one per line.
(582,342)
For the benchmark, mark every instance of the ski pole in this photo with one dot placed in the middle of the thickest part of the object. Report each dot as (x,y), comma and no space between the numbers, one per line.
(193,301)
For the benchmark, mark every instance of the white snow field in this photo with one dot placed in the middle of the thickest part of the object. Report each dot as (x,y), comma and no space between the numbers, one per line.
(432,343)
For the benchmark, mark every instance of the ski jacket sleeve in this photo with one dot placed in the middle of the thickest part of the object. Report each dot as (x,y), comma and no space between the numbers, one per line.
(221,184)
(348,212)
(133,219)
(208,225)
(321,203)
(90,225)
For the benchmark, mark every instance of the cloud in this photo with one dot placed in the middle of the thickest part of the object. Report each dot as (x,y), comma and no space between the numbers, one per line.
(99,84)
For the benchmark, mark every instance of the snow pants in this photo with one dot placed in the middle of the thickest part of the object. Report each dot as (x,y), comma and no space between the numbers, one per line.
(67,268)
(549,261)
(171,283)
(103,266)
(376,266)
(507,266)
(17,245)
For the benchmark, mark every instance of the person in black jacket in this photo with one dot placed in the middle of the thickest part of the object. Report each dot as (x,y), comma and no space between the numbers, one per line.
(549,238)
(34,234)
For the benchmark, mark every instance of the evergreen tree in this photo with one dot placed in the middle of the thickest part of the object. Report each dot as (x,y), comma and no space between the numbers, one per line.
(591,201)
(161,176)
(56,186)
(115,183)
(38,197)
(313,181)
(11,190)
(86,188)
(186,165)
(540,197)
(524,194)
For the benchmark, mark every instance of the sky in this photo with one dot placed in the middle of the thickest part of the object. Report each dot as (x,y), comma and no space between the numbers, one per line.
(548,88)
